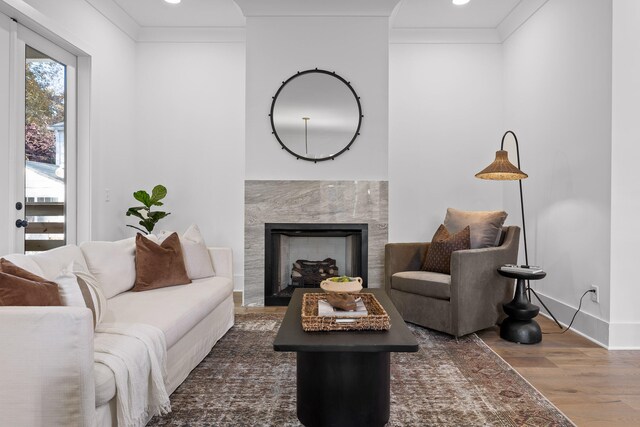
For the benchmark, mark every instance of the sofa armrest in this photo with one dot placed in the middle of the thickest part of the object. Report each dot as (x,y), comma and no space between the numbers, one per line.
(47,366)
(402,257)
(477,290)
(222,259)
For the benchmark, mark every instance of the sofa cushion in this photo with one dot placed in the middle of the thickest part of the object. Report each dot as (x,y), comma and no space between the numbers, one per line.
(159,265)
(20,287)
(175,310)
(25,262)
(196,255)
(425,283)
(18,291)
(113,264)
(78,288)
(485,226)
(53,261)
(105,383)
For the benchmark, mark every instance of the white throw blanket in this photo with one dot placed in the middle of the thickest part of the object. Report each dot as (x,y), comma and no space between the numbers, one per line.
(137,355)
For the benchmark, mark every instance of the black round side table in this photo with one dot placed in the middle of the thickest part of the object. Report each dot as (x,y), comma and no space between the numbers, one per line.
(519,326)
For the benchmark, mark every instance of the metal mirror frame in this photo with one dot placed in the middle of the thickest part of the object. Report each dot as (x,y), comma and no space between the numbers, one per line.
(301,73)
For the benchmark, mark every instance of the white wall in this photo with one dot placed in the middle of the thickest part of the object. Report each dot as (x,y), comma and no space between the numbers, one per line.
(557,73)
(357,49)
(625,193)
(6,210)
(189,110)
(112,109)
(445,124)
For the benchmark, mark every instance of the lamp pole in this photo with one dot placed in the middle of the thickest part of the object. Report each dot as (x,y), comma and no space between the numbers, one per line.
(524,227)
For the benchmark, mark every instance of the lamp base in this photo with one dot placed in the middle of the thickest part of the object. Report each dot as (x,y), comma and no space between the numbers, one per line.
(521,331)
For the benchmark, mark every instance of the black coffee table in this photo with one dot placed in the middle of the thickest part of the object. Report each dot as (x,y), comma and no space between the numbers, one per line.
(343,377)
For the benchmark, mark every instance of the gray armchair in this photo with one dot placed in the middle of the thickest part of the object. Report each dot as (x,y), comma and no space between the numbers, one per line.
(468,300)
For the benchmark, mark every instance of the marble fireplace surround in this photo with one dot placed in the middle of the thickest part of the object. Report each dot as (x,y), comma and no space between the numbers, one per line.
(312,202)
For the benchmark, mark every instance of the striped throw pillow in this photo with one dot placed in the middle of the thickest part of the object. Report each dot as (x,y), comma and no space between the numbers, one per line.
(78,288)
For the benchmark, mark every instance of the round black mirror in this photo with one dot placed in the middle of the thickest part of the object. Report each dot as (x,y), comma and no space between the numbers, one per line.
(316,115)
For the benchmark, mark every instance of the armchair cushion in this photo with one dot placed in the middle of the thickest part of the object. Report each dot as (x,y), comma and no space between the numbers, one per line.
(485,226)
(425,283)
(443,244)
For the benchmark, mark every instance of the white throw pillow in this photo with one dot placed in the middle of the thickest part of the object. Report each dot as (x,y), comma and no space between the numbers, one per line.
(113,264)
(196,255)
(78,288)
(25,262)
(53,261)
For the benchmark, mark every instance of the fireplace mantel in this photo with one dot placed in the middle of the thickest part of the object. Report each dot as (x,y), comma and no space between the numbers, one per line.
(339,202)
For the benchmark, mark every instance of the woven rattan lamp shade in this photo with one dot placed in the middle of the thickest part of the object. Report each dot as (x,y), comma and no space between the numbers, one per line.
(501,169)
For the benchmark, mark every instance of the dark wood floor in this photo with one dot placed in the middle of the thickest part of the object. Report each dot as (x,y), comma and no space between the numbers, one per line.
(589,384)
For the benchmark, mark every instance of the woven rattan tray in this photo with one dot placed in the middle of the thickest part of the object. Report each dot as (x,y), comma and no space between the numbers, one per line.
(377,320)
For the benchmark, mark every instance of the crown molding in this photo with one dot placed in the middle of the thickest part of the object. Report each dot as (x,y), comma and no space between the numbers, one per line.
(192,35)
(509,25)
(121,19)
(361,8)
(36,21)
(352,8)
(517,17)
(444,36)
(117,16)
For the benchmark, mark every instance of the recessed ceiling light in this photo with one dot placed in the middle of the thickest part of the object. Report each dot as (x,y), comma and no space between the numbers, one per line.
(456,2)
(178,1)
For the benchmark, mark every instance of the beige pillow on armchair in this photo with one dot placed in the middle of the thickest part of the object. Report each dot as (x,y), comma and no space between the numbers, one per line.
(485,226)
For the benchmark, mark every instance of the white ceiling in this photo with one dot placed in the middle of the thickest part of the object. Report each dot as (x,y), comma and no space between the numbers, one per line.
(409,13)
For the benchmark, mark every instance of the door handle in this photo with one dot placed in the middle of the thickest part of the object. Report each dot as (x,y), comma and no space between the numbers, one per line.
(22,223)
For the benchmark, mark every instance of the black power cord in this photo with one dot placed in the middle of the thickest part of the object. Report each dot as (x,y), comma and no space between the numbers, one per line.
(574,314)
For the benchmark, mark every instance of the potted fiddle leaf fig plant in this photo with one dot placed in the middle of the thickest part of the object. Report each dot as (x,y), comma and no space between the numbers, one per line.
(148,219)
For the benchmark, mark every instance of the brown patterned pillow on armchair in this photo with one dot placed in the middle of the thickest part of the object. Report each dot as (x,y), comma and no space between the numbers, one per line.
(438,258)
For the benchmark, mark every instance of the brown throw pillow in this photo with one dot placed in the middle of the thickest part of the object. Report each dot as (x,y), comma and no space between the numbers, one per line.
(18,287)
(438,259)
(159,266)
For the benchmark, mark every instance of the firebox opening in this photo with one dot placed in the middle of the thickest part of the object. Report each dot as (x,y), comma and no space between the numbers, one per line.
(302,255)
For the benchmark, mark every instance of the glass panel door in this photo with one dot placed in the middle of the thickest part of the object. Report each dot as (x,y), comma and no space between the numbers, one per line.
(45,125)
(45,155)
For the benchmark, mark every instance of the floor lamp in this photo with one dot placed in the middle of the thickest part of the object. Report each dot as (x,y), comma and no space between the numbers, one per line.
(503,170)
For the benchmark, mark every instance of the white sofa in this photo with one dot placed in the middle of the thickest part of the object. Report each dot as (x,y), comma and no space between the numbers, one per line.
(47,372)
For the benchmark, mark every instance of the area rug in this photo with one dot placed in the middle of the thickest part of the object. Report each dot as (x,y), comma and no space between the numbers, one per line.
(449,382)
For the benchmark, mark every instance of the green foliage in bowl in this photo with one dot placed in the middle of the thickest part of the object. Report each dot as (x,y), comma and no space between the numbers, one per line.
(341,279)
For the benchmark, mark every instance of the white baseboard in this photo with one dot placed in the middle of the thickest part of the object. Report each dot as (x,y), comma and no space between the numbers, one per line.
(592,328)
(238,282)
(624,336)
(612,336)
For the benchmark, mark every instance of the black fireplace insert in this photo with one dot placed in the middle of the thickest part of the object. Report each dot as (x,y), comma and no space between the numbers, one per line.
(304,254)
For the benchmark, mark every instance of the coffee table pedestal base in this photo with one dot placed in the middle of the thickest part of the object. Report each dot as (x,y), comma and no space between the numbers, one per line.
(343,388)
